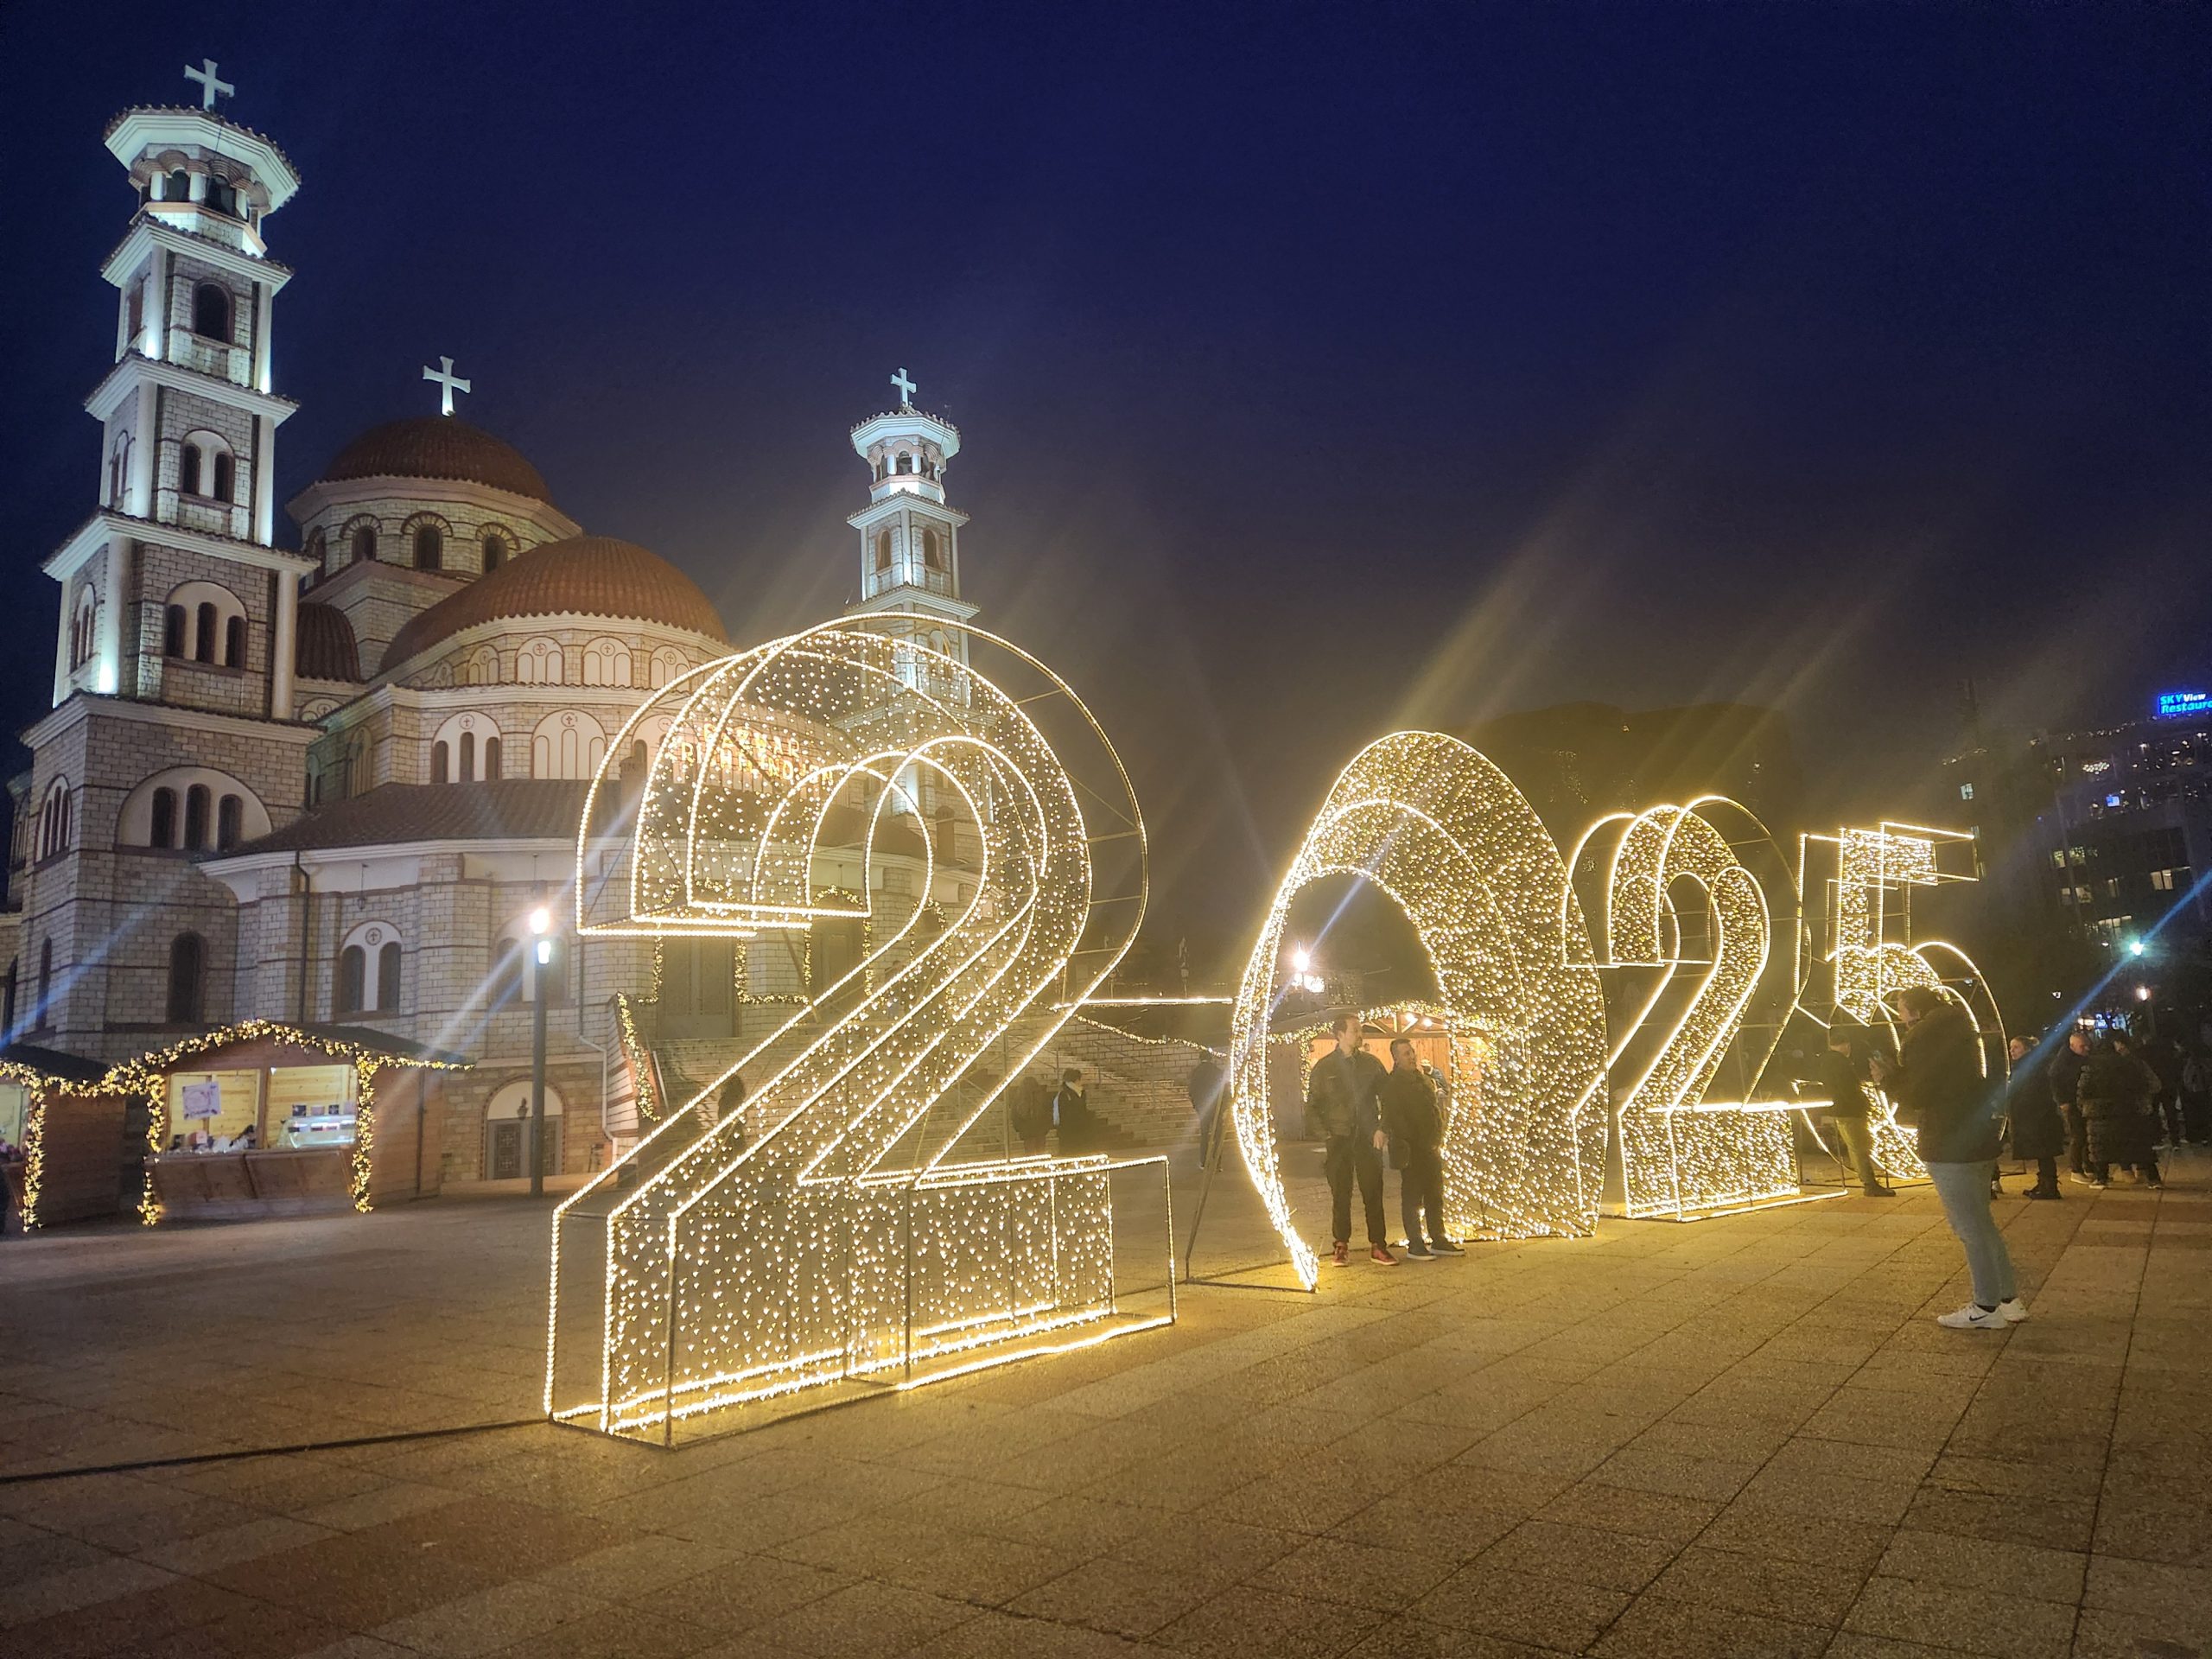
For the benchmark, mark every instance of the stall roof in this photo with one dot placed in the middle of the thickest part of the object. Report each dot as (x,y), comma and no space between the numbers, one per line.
(53,1063)
(333,1038)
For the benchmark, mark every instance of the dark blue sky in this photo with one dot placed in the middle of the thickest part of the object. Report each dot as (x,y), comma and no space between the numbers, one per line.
(1320,370)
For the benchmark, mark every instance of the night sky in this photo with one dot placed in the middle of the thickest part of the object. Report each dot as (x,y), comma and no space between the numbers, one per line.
(1320,370)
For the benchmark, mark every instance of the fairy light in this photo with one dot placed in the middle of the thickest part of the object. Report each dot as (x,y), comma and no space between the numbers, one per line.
(1440,830)
(1683,1152)
(848,1226)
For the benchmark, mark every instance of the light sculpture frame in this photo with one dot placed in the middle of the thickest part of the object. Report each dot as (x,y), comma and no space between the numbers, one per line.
(1433,824)
(856,1223)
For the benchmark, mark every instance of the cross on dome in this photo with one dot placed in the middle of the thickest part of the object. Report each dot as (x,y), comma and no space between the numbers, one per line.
(906,389)
(210,87)
(447,383)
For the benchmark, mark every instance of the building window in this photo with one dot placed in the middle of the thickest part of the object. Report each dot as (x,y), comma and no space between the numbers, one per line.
(44,1017)
(883,550)
(118,470)
(163,830)
(211,313)
(188,1002)
(440,764)
(495,550)
(173,628)
(179,187)
(364,544)
(188,475)
(352,976)
(468,755)
(430,547)
(906,465)
(607,661)
(203,642)
(226,479)
(930,556)
(222,196)
(84,630)
(54,820)
(1966,792)
(234,642)
(388,976)
(197,799)
(491,756)
(230,823)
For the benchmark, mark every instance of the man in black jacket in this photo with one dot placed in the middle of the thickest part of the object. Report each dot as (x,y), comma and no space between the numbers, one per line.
(1938,1083)
(1412,1118)
(2065,1094)
(1342,1098)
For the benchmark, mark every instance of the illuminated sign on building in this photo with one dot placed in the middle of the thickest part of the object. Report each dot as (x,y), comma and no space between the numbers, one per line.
(2174,704)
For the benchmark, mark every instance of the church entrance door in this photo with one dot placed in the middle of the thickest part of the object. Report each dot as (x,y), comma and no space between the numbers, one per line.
(506,1152)
(698,989)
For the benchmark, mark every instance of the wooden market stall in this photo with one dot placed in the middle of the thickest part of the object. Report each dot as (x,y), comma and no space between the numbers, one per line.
(265,1119)
(75,1139)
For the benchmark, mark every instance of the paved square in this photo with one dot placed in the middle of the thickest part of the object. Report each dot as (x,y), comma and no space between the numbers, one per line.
(1742,1437)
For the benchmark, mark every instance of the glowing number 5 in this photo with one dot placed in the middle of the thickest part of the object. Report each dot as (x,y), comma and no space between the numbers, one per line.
(856,1222)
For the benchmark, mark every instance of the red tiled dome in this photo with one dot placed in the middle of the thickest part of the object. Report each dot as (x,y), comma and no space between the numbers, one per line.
(589,575)
(326,650)
(438,446)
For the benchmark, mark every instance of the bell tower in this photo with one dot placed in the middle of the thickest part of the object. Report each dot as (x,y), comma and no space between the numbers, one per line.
(910,539)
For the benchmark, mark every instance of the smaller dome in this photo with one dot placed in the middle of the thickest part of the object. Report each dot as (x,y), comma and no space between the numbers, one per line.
(327,649)
(438,446)
(585,575)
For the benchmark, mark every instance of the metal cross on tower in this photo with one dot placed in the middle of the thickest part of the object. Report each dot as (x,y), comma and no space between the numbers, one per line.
(210,87)
(449,382)
(905,388)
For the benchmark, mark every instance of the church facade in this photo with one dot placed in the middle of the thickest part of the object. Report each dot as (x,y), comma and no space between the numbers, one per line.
(324,777)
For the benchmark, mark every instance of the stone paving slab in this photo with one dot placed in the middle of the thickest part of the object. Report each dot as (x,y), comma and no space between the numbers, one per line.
(1742,1437)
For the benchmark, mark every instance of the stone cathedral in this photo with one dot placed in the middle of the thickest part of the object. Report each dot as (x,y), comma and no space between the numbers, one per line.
(322,774)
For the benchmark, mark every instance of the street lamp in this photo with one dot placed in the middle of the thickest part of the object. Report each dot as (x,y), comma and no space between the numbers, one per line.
(540,957)
(2135,947)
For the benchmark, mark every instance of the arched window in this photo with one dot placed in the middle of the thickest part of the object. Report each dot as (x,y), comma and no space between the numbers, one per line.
(352,979)
(187,1002)
(173,628)
(905,463)
(607,661)
(179,187)
(430,547)
(930,556)
(468,754)
(539,663)
(227,478)
(162,830)
(566,745)
(230,822)
(496,552)
(203,640)
(234,643)
(173,809)
(45,1015)
(388,976)
(878,470)
(211,312)
(187,470)
(54,820)
(222,196)
(84,629)
(197,799)
(118,467)
(440,763)
(318,549)
(883,550)
(491,758)
(365,543)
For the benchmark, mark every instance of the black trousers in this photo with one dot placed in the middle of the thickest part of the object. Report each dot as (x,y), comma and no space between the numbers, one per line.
(1421,1188)
(1347,1155)
(2077,1138)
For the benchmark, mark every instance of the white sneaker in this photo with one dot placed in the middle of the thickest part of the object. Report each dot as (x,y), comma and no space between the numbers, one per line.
(2014,1310)
(1974,1317)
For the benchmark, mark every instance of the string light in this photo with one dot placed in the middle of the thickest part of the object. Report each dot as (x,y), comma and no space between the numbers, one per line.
(1440,830)
(860,1230)
(1683,1152)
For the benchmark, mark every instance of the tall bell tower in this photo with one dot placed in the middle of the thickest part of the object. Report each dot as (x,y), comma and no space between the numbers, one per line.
(910,539)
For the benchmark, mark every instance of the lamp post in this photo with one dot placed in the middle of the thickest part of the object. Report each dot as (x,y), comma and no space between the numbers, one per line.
(540,957)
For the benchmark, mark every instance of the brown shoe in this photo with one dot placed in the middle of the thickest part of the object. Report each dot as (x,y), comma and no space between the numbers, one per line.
(1344,1253)
(1381,1257)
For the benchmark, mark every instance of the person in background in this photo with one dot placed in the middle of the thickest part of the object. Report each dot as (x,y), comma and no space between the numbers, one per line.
(1938,1083)
(2162,1055)
(1838,1073)
(730,1103)
(2065,1091)
(1071,1115)
(2038,1131)
(1413,1119)
(2118,1092)
(1342,1097)
(2196,1095)
(1207,1086)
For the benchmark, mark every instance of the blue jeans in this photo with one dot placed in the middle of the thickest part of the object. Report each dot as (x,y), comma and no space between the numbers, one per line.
(1964,1189)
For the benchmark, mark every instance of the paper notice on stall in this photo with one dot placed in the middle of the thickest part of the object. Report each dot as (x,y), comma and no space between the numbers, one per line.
(202,1099)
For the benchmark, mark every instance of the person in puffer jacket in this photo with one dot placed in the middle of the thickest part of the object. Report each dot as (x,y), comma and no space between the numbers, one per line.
(2118,1096)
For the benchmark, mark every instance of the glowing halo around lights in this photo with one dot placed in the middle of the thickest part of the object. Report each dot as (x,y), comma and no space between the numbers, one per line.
(848,1226)
(1441,830)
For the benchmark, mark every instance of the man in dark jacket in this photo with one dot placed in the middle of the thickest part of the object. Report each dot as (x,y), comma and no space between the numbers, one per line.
(2038,1132)
(1938,1084)
(2065,1093)
(1341,1097)
(1837,1072)
(2120,1094)
(1073,1117)
(1412,1118)
(1029,1115)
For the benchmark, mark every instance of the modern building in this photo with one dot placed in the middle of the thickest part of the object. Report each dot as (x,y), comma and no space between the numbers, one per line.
(324,776)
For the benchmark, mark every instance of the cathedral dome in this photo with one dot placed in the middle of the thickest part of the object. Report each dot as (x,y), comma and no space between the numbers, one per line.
(327,648)
(586,575)
(438,446)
